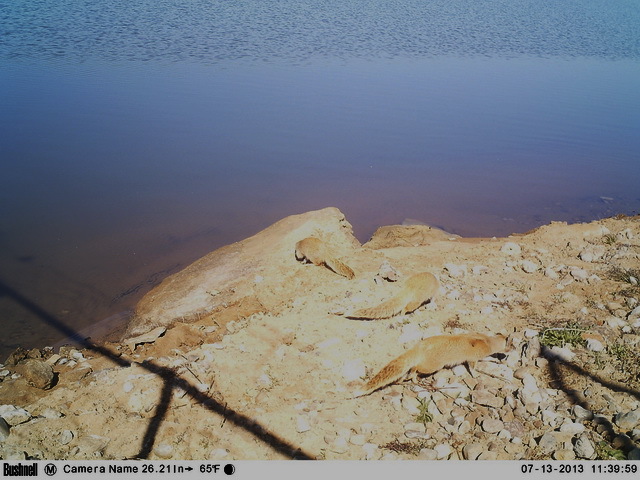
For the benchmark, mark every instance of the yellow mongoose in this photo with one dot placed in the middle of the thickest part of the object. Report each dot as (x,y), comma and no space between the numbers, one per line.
(433,354)
(316,251)
(416,290)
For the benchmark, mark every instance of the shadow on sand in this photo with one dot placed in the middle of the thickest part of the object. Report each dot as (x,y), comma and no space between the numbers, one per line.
(559,370)
(170,380)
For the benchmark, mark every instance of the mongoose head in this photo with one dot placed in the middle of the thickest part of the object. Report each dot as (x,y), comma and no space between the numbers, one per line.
(499,343)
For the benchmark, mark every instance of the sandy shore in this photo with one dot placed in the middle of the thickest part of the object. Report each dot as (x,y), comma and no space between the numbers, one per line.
(249,354)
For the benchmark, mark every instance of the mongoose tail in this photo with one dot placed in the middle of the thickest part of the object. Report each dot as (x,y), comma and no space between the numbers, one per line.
(315,251)
(433,354)
(416,291)
(388,309)
(391,373)
(339,267)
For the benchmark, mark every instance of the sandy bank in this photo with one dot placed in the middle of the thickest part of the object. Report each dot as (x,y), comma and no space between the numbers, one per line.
(249,354)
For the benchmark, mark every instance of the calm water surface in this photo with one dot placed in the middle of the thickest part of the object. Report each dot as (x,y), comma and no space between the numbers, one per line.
(137,136)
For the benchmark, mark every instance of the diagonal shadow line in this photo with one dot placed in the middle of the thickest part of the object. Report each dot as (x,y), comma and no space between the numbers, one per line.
(557,377)
(171,381)
(58,325)
(150,435)
(174,381)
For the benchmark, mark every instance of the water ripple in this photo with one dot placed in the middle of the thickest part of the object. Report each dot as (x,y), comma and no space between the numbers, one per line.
(212,31)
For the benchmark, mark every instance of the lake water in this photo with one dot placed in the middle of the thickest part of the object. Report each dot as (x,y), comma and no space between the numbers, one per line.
(136,137)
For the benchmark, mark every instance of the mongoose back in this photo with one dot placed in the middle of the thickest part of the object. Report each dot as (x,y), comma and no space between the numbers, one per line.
(433,354)
(316,251)
(416,290)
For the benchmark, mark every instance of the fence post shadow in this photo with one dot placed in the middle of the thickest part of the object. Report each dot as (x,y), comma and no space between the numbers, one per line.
(170,379)
(558,381)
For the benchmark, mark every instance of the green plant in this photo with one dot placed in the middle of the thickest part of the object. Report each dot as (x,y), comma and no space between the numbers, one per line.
(560,336)
(628,357)
(627,362)
(424,416)
(598,361)
(609,239)
(620,351)
(604,451)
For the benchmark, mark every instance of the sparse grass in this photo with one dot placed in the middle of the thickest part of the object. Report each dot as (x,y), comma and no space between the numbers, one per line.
(521,287)
(592,304)
(609,239)
(629,292)
(598,361)
(624,275)
(620,351)
(627,361)
(629,276)
(560,336)
(424,416)
(400,322)
(454,323)
(412,448)
(558,299)
(503,304)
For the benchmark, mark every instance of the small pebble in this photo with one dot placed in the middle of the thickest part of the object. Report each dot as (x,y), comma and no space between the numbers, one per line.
(572,428)
(511,249)
(14,415)
(594,345)
(302,424)
(428,454)
(491,425)
(581,413)
(339,445)
(455,271)
(583,447)
(579,274)
(66,436)
(627,421)
(370,451)
(551,273)
(529,267)
(164,450)
(548,442)
(51,413)
(387,272)
(353,370)
(443,451)
(564,454)
(472,451)
(218,454)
